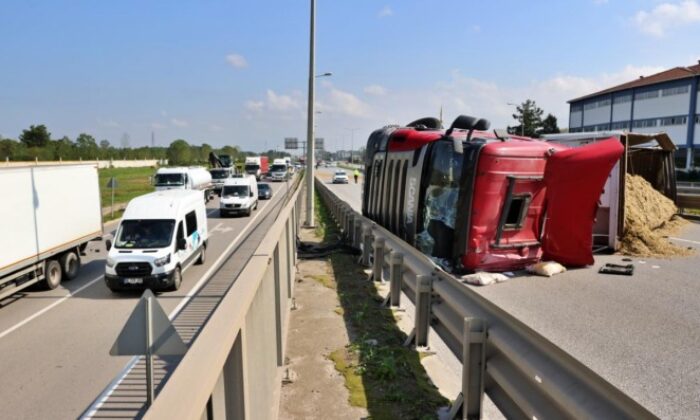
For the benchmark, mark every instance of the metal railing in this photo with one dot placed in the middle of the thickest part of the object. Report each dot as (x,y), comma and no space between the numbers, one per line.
(233,370)
(523,373)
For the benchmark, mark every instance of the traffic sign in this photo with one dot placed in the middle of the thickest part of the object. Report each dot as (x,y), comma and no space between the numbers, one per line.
(318,145)
(291,143)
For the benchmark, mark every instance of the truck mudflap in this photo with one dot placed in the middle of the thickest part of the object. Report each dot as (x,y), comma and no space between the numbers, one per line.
(574,179)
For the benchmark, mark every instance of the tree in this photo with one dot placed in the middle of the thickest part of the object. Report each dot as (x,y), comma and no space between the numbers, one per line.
(549,125)
(63,148)
(35,136)
(87,146)
(179,153)
(104,144)
(530,117)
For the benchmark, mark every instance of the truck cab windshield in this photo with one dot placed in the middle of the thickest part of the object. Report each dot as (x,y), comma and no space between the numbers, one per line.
(144,234)
(235,191)
(166,180)
(252,167)
(278,168)
(219,173)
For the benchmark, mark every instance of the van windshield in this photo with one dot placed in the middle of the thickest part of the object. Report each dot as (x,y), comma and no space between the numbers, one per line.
(219,173)
(278,168)
(167,180)
(235,191)
(144,234)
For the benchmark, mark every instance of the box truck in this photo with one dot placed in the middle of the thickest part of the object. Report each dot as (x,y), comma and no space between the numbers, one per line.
(160,235)
(184,178)
(49,214)
(239,195)
(257,166)
(279,170)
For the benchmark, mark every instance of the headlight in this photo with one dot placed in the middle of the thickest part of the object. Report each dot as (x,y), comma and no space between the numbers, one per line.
(159,262)
(110,262)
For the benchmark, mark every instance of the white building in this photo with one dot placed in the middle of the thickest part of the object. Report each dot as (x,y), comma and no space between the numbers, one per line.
(666,101)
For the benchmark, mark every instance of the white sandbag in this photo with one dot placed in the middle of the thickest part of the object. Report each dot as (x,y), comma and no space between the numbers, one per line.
(546,268)
(483,278)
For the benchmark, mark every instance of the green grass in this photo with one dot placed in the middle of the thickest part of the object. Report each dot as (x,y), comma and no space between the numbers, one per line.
(380,373)
(131,182)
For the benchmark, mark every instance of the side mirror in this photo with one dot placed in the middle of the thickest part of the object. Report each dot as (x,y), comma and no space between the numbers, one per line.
(108,244)
(251,194)
(181,244)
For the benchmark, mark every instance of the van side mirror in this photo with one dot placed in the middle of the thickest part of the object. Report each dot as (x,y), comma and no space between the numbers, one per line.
(108,244)
(251,194)
(181,244)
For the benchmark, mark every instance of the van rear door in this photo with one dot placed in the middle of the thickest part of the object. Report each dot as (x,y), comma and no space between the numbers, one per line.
(574,179)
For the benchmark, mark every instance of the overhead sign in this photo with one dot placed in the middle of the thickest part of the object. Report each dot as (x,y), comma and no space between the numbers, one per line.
(291,143)
(318,144)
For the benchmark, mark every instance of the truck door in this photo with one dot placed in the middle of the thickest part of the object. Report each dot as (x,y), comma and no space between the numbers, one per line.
(574,179)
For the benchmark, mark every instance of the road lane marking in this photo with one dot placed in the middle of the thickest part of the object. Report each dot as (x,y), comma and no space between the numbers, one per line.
(104,396)
(46,309)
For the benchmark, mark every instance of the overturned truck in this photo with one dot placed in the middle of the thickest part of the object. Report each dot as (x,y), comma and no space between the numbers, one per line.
(479,200)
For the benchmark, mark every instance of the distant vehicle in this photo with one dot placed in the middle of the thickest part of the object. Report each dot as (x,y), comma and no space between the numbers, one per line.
(239,196)
(279,170)
(257,166)
(340,177)
(264,191)
(158,238)
(184,178)
(473,199)
(49,214)
(226,161)
(218,176)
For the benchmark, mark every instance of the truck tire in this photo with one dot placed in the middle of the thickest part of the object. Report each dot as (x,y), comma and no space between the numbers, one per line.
(70,264)
(202,256)
(52,274)
(177,279)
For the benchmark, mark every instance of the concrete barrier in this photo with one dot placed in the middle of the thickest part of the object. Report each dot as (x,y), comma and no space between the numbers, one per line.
(100,163)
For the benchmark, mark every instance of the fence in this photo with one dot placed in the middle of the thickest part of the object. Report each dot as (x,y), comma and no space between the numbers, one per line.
(523,373)
(233,370)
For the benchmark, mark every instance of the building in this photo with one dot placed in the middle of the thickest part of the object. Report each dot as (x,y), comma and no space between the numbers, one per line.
(665,101)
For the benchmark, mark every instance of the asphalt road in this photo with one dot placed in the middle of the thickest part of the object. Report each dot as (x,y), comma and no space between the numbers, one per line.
(55,344)
(641,333)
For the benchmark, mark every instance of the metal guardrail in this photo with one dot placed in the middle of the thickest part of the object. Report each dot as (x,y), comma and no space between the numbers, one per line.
(523,373)
(233,370)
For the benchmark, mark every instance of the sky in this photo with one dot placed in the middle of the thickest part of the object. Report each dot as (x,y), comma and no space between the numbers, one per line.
(236,72)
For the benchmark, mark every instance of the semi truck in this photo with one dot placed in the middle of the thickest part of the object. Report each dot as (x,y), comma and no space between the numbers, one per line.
(257,166)
(279,170)
(184,178)
(50,213)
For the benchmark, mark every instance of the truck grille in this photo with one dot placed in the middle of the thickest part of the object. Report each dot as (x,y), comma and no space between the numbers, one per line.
(133,269)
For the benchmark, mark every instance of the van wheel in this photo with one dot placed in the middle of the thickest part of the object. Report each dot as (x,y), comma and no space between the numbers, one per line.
(202,256)
(52,274)
(70,264)
(177,279)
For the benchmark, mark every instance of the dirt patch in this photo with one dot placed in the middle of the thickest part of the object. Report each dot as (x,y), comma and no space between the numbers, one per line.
(649,218)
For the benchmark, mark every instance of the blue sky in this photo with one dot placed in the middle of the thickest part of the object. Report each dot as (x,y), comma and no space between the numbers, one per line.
(234,72)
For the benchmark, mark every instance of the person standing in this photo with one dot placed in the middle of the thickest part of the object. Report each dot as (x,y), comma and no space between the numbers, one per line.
(356,174)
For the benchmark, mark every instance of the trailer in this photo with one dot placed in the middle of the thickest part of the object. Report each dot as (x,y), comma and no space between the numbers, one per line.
(257,166)
(50,213)
(185,178)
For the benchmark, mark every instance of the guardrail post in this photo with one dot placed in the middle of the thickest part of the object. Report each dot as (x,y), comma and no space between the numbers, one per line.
(424,289)
(395,277)
(350,228)
(469,402)
(357,234)
(378,265)
(366,245)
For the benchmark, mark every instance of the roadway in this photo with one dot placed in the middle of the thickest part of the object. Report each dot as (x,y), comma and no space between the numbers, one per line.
(641,333)
(55,344)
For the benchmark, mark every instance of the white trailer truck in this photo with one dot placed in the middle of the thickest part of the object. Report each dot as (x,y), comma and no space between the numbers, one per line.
(184,178)
(49,214)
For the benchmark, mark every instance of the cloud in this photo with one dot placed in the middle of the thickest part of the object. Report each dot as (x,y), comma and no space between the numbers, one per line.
(376,90)
(255,105)
(108,123)
(157,126)
(347,103)
(179,123)
(476,28)
(281,102)
(599,2)
(667,15)
(385,12)
(237,61)
(215,128)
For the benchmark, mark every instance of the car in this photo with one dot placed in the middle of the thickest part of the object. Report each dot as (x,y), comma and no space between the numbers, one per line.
(264,191)
(340,177)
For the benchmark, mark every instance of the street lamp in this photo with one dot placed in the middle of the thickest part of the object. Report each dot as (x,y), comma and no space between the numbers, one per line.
(522,119)
(310,120)
(352,140)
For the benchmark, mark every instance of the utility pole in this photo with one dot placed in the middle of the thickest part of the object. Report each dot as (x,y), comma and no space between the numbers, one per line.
(310,124)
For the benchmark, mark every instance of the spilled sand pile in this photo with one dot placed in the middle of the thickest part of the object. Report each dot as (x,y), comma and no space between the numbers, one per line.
(649,217)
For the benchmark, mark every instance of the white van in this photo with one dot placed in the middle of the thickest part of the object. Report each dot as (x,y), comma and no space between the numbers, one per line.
(239,195)
(159,236)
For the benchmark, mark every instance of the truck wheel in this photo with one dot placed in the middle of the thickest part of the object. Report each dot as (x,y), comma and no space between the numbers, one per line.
(177,279)
(70,264)
(202,256)
(52,274)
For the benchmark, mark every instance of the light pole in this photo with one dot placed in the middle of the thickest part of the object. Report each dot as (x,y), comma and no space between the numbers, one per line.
(310,121)
(522,119)
(352,140)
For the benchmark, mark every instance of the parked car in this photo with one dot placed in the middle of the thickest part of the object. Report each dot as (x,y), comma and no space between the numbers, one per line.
(340,177)
(264,191)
